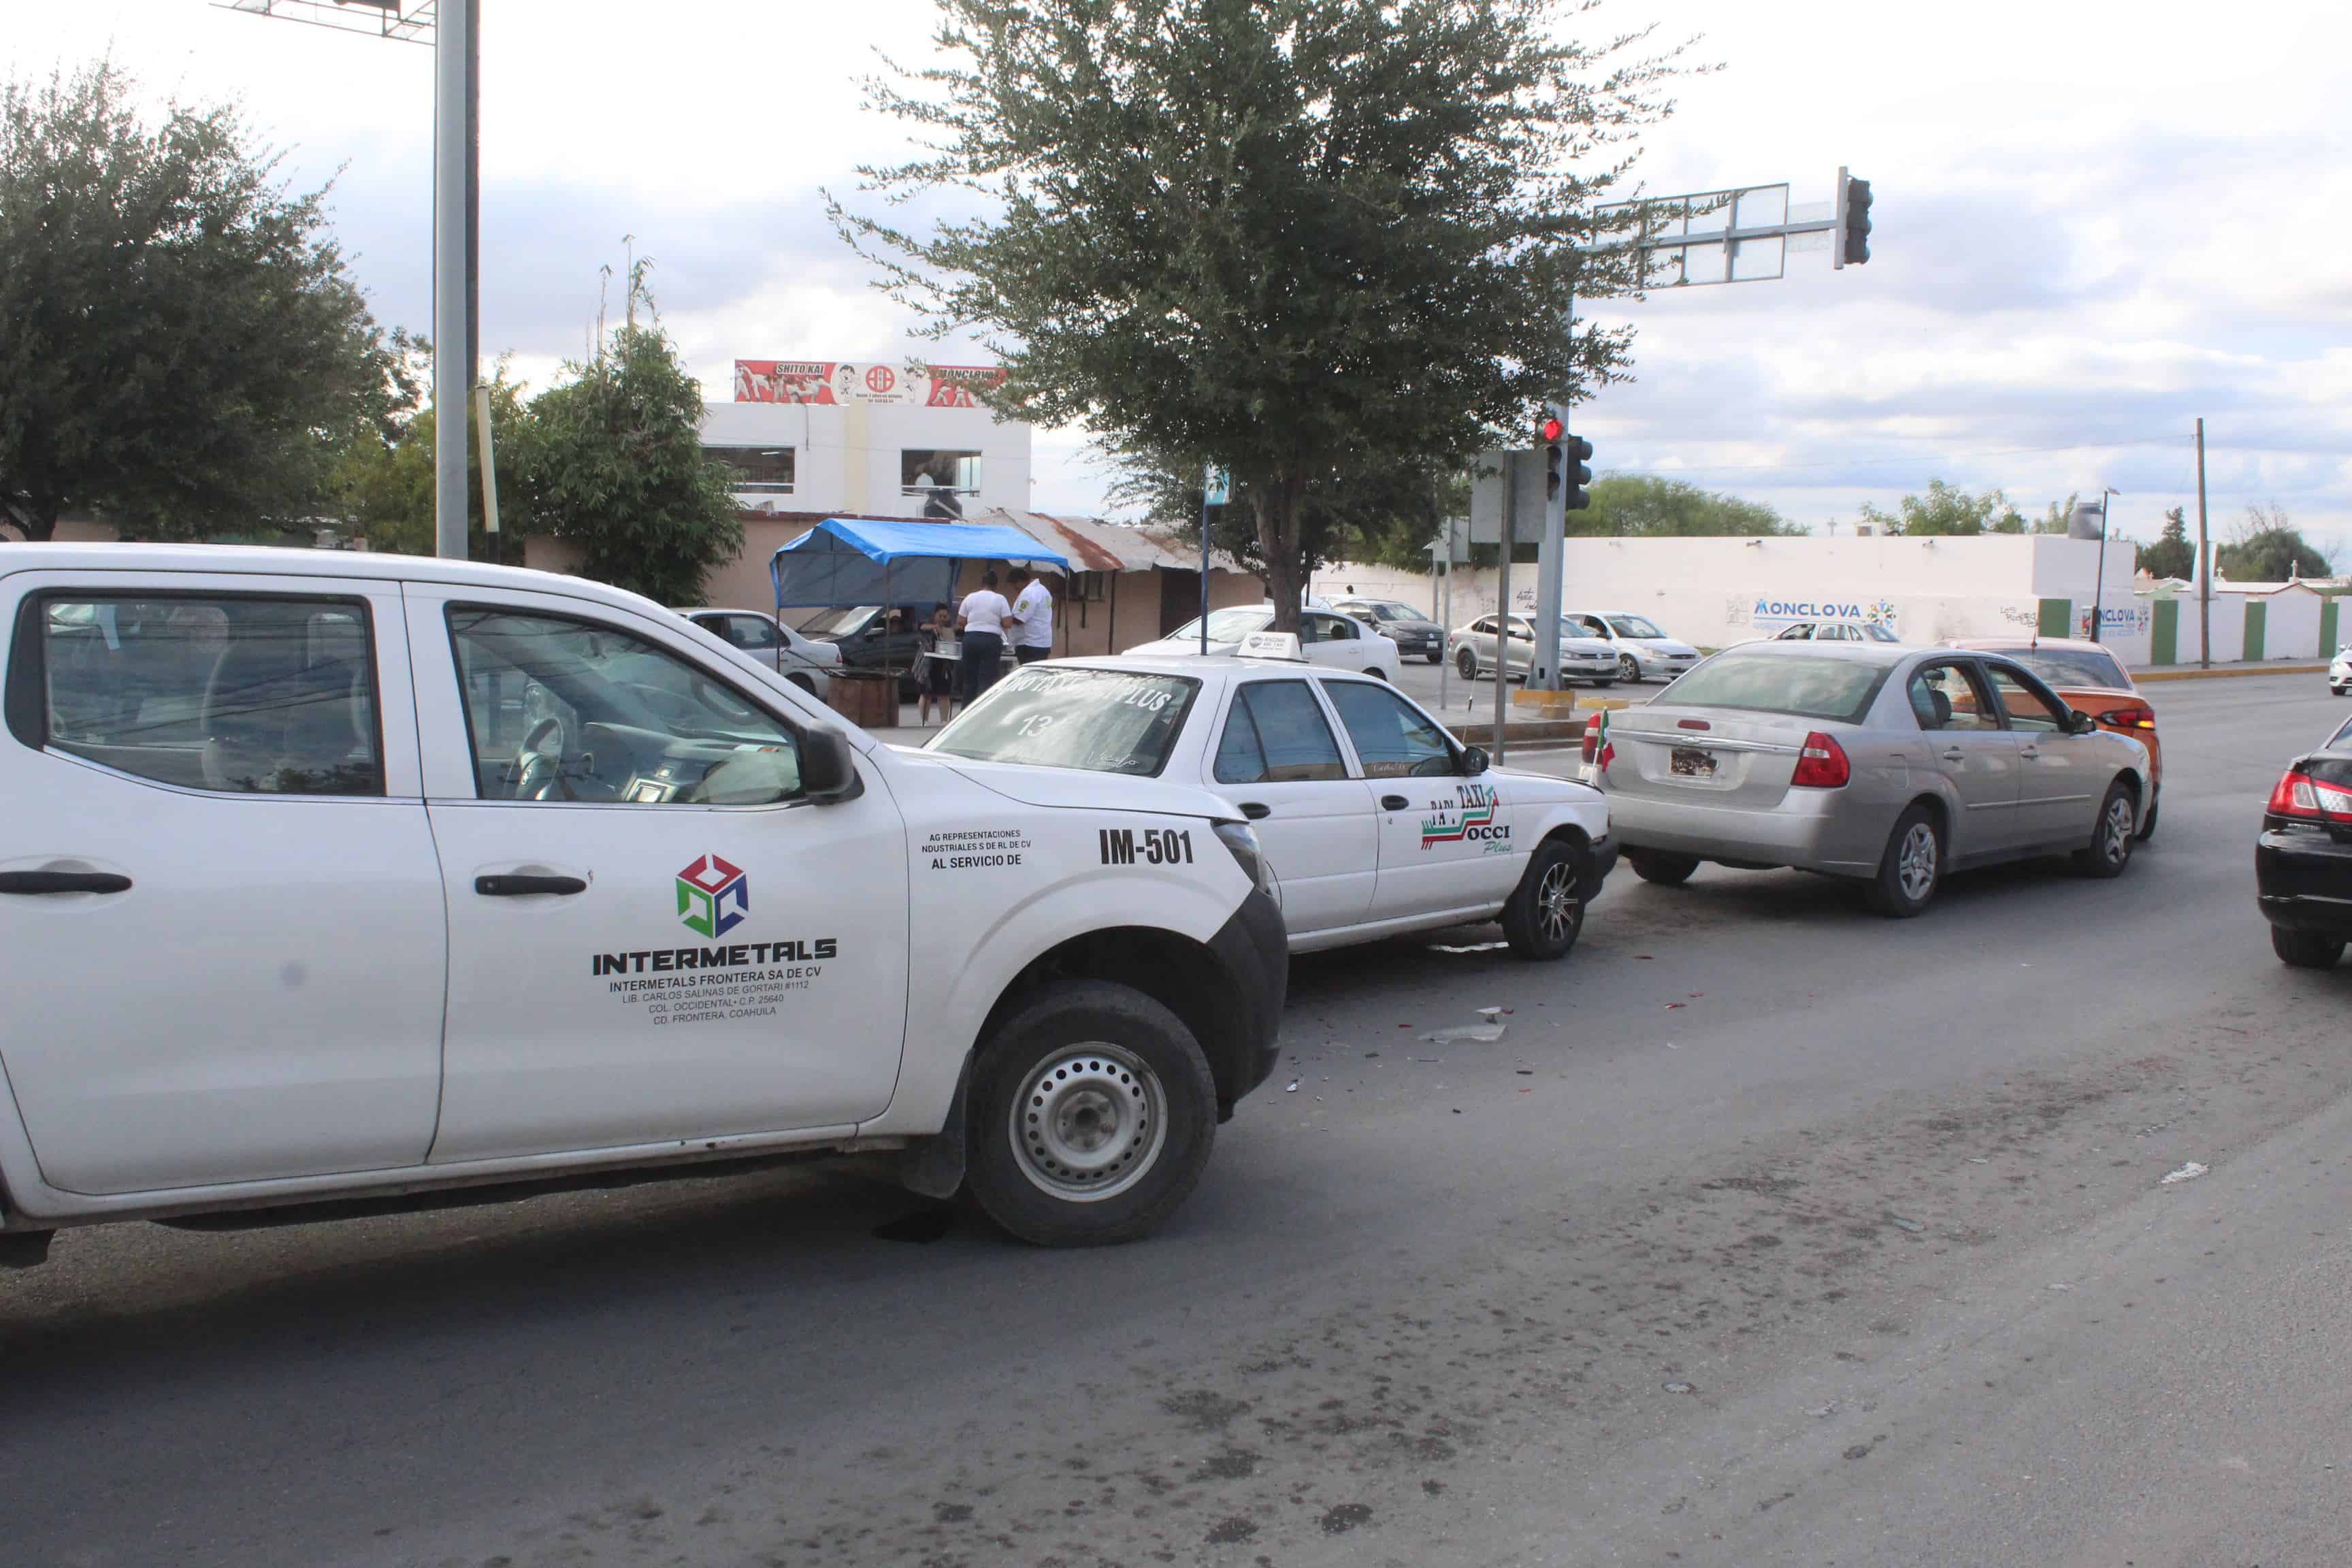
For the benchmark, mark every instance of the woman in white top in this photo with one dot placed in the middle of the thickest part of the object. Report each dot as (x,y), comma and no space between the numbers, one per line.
(982,620)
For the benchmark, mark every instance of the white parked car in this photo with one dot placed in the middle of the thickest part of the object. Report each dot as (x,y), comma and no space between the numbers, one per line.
(1833,631)
(352,875)
(2340,671)
(1375,820)
(1332,640)
(805,662)
(1581,658)
(1643,650)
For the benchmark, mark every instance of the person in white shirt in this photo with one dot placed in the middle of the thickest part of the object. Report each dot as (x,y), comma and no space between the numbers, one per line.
(982,620)
(1033,606)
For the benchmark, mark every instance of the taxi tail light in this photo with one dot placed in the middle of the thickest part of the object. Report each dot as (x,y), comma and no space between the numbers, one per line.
(1821,765)
(2131,716)
(2305,799)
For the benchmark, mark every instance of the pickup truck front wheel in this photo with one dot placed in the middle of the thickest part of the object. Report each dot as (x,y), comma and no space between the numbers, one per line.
(1093,1112)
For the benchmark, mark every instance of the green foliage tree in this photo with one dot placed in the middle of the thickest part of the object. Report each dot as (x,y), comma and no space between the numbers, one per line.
(2171,555)
(2266,547)
(180,345)
(1312,240)
(613,462)
(1946,509)
(1640,505)
(382,486)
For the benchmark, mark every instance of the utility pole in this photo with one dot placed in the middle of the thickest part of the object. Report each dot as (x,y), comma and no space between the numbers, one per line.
(1503,623)
(2099,580)
(2204,564)
(452,284)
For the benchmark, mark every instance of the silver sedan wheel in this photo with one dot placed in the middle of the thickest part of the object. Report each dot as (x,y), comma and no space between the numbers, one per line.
(1915,863)
(2116,832)
(1559,906)
(1092,1123)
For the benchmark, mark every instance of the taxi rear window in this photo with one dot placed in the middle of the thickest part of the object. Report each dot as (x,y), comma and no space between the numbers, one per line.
(1097,720)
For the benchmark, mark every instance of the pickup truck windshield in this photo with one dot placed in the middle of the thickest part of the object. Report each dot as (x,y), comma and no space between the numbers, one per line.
(1100,720)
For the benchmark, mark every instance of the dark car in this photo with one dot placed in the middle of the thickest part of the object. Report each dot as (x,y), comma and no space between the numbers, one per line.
(859,631)
(1416,635)
(2303,862)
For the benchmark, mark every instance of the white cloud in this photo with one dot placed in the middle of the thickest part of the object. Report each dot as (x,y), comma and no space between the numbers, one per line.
(2094,223)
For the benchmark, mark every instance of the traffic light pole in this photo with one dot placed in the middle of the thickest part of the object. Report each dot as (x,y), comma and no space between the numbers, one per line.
(1543,661)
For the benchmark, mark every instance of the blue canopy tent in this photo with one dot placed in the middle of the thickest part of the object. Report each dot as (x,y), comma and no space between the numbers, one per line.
(846,560)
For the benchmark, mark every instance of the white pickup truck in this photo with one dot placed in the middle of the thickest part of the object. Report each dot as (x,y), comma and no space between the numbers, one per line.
(349,880)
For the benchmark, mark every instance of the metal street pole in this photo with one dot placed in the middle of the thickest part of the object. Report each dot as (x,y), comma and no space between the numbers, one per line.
(2099,583)
(2204,564)
(1503,617)
(453,350)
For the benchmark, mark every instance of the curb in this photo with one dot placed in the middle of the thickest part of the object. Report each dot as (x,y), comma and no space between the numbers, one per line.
(2227,672)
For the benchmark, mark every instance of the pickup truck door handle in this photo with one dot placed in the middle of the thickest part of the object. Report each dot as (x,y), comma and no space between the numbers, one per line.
(1256,811)
(516,885)
(2030,753)
(63,882)
(1956,755)
(1393,803)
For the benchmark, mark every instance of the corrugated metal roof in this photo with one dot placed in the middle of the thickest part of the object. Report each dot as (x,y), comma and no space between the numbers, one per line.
(1094,545)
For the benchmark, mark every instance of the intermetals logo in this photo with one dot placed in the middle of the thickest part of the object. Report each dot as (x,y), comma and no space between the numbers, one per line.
(713,897)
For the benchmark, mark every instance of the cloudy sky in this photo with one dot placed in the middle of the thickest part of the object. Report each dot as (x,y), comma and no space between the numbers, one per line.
(2095,221)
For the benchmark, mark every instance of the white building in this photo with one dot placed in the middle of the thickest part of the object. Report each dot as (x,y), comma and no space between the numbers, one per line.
(832,438)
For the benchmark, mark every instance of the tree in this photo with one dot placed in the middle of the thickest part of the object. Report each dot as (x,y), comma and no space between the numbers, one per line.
(180,345)
(1306,239)
(2171,555)
(2266,547)
(383,487)
(1639,505)
(615,463)
(1946,509)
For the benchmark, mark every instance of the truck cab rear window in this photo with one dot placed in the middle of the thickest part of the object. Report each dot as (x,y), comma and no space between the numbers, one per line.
(245,695)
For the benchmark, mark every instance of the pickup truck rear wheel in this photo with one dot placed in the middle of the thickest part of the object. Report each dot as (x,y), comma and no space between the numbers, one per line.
(1093,1112)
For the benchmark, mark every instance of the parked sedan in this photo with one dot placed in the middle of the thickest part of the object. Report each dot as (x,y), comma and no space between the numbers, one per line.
(1835,631)
(1375,821)
(1642,649)
(1325,636)
(1890,766)
(805,662)
(2302,861)
(1581,657)
(1416,635)
(2088,676)
(2340,671)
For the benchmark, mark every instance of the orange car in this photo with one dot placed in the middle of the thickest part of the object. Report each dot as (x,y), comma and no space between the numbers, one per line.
(2088,676)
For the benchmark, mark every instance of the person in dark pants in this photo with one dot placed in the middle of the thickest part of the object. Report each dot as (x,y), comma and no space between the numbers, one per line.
(982,620)
(1032,609)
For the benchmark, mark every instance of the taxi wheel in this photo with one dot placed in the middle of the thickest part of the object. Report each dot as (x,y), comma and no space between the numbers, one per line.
(1093,1112)
(1545,911)
(2110,848)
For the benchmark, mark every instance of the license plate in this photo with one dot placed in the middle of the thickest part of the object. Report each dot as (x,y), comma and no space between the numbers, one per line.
(1688,762)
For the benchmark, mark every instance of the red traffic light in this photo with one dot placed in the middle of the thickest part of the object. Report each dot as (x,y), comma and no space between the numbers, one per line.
(1550,430)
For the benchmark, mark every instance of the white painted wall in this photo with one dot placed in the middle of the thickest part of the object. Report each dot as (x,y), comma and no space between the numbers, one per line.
(847,458)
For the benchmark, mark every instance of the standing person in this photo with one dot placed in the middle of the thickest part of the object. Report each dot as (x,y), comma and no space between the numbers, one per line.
(982,620)
(1033,606)
(939,682)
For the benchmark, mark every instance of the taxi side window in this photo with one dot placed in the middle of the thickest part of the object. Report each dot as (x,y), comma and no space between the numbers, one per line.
(1275,733)
(248,695)
(560,710)
(1393,739)
(750,634)
(1945,697)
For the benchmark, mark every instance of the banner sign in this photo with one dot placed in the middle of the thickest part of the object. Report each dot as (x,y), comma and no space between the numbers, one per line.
(834,384)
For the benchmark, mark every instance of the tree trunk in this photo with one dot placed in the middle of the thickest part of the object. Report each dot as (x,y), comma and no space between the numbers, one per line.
(1278,507)
(35,520)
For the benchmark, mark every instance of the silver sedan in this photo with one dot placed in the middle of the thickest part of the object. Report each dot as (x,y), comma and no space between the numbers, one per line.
(1891,765)
(1581,658)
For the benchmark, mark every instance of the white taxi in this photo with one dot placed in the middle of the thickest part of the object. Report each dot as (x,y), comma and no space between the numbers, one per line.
(1374,819)
(332,877)
(1325,636)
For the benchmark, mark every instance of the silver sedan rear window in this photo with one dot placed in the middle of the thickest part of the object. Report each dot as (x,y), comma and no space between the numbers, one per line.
(1808,687)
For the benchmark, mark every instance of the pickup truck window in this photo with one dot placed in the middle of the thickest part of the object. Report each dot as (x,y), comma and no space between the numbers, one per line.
(561,709)
(245,695)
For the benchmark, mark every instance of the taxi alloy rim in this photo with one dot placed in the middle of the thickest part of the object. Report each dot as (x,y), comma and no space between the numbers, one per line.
(1091,1122)
(2118,830)
(1558,909)
(1915,868)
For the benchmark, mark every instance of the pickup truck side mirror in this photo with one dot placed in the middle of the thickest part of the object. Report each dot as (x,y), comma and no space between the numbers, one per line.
(829,767)
(1474,760)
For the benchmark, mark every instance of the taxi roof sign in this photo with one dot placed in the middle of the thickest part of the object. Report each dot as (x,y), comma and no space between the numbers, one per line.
(1273,645)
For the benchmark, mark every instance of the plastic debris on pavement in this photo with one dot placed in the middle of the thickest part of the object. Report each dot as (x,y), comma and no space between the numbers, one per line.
(1900,1222)
(1468,1034)
(2187,1172)
(1680,1388)
(1292,1089)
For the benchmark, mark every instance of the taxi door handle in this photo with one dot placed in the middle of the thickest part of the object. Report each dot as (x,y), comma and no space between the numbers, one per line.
(63,882)
(2030,753)
(1956,755)
(1256,811)
(1394,803)
(516,885)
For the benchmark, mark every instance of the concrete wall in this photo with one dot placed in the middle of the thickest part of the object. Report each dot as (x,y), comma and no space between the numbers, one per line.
(846,459)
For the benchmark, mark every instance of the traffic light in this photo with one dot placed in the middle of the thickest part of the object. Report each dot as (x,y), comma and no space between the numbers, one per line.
(1555,457)
(1579,454)
(1854,235)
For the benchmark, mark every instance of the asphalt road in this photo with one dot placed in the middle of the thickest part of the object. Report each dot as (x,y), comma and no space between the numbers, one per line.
(1771,1233)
